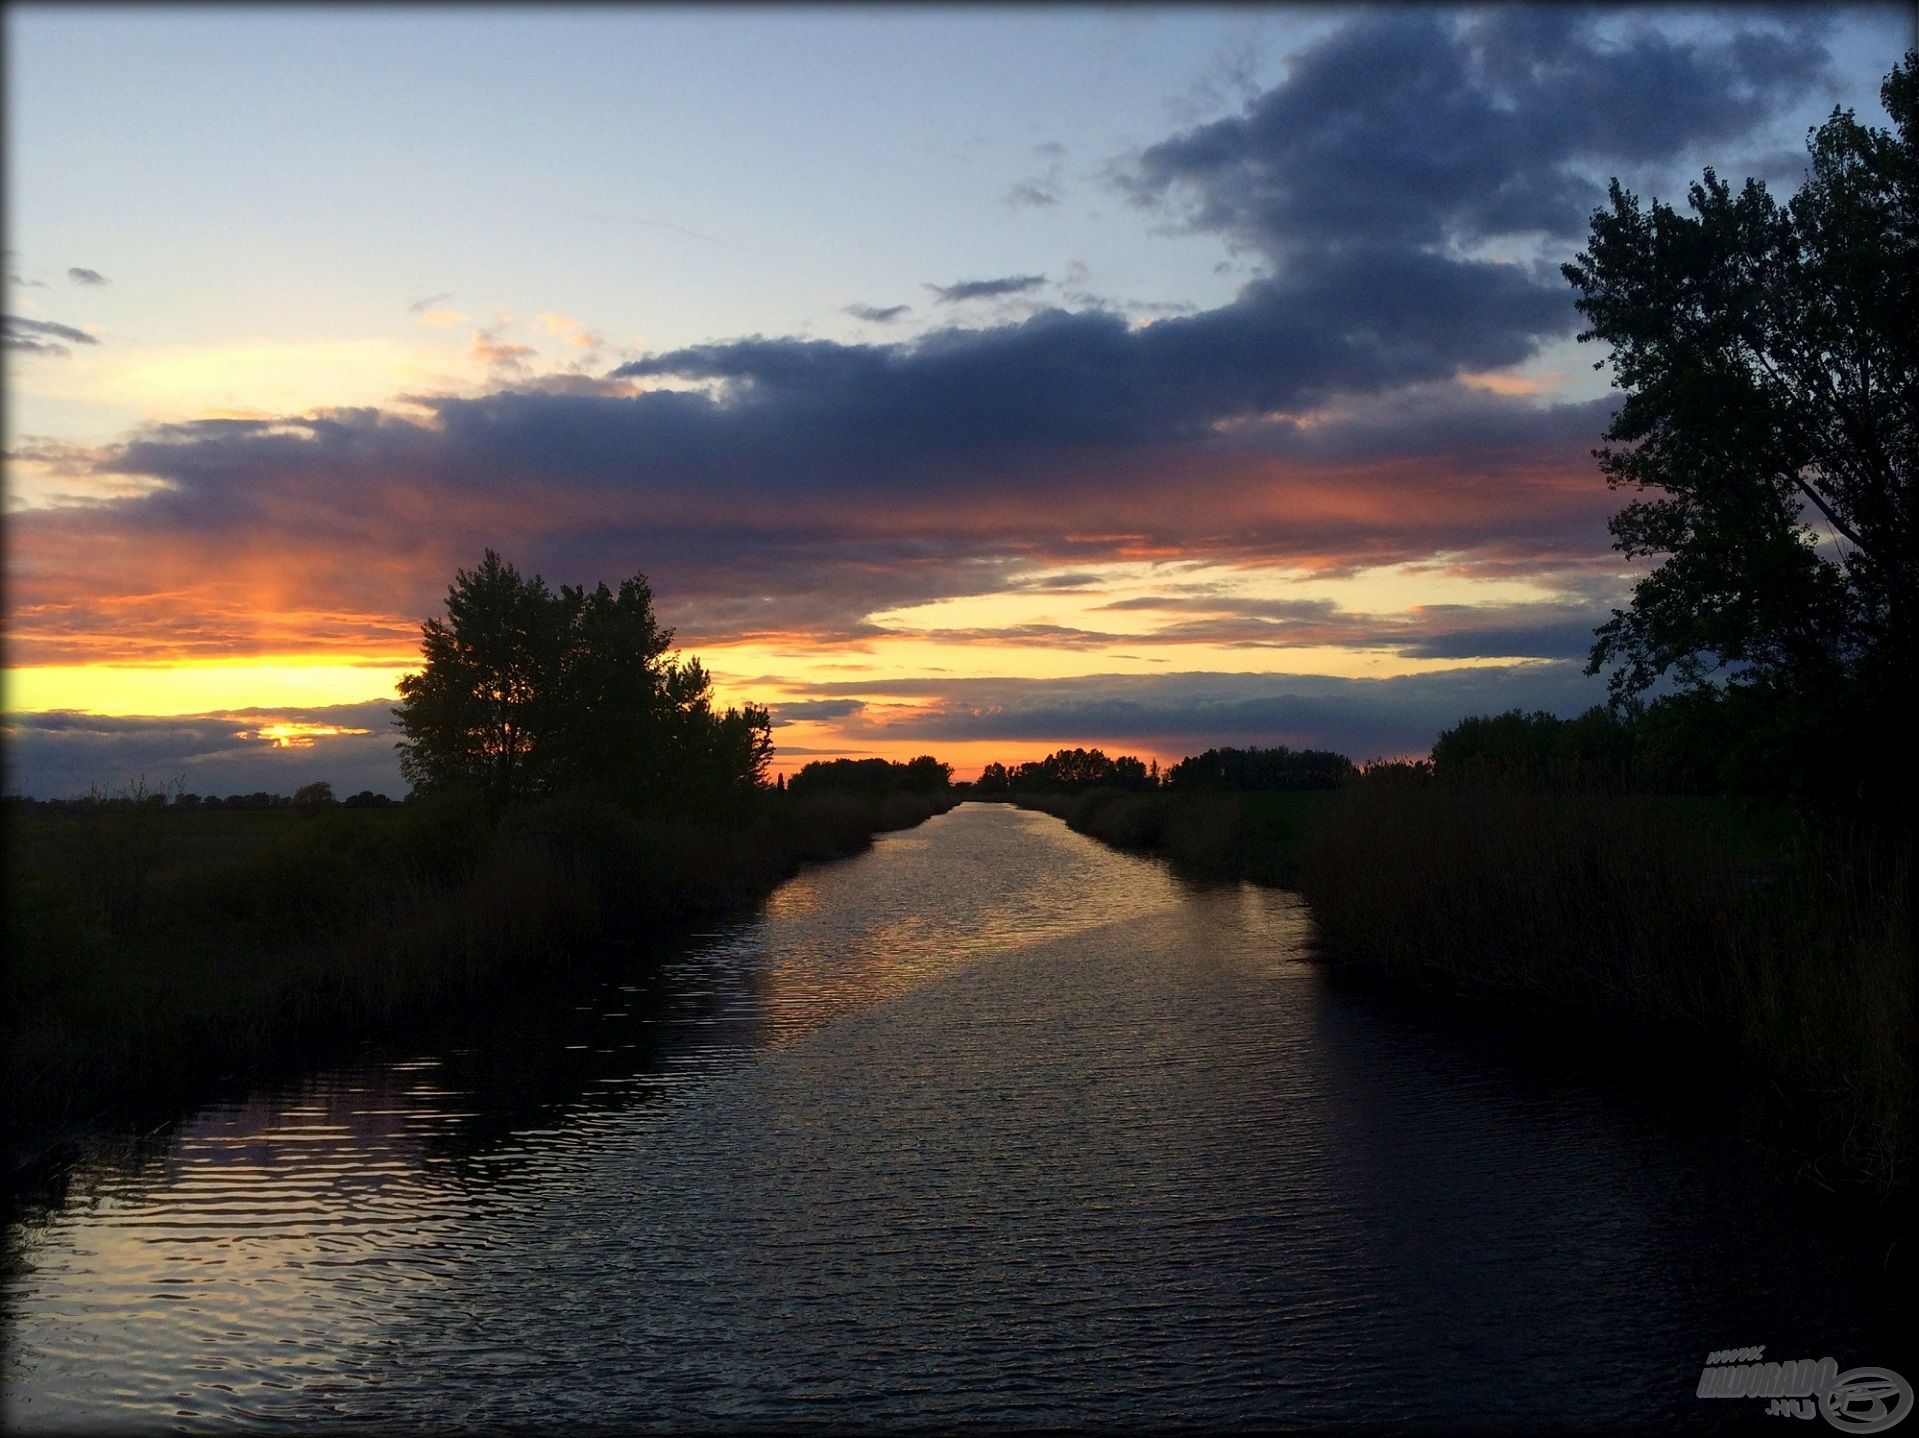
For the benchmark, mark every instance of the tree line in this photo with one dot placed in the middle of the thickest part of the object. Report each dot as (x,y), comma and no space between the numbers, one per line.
(875,777)
(1241,770)
(307,797)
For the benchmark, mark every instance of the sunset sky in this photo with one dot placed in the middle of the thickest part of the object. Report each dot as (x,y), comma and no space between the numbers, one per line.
(963,381)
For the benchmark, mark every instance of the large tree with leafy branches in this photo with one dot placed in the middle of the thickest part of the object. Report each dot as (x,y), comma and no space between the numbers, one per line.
(527,690)
(1769,356)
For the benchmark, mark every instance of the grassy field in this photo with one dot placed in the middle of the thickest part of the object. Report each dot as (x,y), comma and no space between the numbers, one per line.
(150,950)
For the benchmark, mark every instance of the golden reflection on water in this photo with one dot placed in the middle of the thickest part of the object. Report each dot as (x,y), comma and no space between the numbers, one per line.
(990,1124)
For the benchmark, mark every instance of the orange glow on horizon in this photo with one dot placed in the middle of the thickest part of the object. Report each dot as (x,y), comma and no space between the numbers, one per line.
(296,734)
(276,681)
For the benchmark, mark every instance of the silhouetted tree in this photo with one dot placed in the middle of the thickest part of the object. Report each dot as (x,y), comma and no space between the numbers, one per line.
(1539,750)
(311,798)
(527,691)
(1255,769)
(875,777)
(993,779)
(1770,359)
(926,775)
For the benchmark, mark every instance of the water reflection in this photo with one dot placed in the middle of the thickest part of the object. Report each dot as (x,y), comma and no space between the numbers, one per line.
(991,1124)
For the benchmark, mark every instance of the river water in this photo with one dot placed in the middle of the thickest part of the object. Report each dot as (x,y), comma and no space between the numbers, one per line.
(989,1125)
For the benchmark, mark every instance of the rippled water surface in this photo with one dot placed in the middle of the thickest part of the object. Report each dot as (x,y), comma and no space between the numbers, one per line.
(989,1124)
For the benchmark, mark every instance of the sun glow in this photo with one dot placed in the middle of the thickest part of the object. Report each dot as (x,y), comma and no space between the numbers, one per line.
(295,733)
(286,681)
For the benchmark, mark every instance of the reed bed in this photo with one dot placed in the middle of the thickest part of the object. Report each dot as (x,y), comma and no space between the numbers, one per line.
(1792,958)
(1722,928)
(149,953)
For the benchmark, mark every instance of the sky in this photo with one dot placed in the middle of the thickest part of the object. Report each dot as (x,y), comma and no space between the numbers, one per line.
(963,380)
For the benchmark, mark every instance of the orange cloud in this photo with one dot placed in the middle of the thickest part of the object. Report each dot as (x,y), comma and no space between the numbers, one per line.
(296,733)
(490,350)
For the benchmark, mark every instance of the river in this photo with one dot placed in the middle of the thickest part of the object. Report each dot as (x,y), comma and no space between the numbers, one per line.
(988,1125)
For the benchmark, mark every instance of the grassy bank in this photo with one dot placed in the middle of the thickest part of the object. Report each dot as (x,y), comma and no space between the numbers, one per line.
(1708,925)
(149,951)
(1697,923)
(1256,836)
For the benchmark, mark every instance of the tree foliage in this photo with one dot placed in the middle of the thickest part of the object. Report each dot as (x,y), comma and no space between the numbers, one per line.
(1255,769)
(923,775)
(528,691)
(1069,769)
(1769,356)
(1539,750)
(311,798)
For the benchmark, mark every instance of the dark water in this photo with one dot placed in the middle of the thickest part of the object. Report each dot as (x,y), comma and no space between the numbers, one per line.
(990,1125)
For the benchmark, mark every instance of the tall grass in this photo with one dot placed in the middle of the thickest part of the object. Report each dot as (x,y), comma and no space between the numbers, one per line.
(1257,836)
(1703,925)
(148,952)
(1653,913)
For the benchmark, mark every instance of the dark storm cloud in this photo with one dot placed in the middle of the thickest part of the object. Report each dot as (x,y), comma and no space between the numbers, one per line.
(81,275)
(878,314)
(41,336)
(962,290)
(1410,129)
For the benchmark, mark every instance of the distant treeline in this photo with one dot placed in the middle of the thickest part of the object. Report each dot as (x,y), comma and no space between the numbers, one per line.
(308,796)
(1694,743)
(1217,770)
(1681,744)
(924,775)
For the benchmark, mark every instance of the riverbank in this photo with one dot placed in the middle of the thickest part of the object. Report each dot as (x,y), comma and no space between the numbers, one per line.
(1260,837)
(151,952)
(1779,948)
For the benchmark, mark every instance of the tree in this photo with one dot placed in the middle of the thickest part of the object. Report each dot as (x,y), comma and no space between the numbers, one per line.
(925,775)
(311,798)
(474,715)
(1254,769)
(526,691)
(873,777)
(1770,359)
